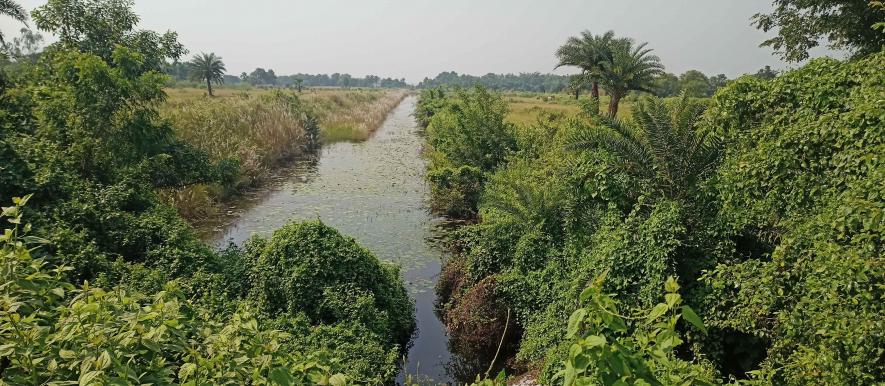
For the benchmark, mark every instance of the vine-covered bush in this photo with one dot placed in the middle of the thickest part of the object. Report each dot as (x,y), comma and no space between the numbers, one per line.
(310,268)
(805,175)
(53,331)
(468,138)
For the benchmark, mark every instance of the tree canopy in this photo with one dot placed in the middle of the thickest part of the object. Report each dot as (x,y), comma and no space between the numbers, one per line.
(800,25)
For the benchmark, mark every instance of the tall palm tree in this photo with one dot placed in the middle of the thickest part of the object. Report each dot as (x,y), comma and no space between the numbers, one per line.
(13,10)
(630,68)
(587,52)
(207,67)
(663,144)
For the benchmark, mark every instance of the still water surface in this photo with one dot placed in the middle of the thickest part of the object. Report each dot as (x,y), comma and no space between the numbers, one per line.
(373,191)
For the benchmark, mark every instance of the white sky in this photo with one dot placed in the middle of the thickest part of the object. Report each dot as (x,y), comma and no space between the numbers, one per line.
(418,38)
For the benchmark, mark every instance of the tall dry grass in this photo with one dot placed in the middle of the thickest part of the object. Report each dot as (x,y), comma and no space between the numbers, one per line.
(351,115)
(258,131)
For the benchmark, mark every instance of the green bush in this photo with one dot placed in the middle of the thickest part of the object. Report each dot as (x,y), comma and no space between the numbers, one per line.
(804,175)
(430,102)
(455,192)
(310,268)
(471,130)
(55,332)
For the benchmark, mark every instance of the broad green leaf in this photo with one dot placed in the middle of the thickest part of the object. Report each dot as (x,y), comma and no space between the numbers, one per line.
(693,318)
(186,371)
(657,311)
(338,380)
(67,354)
(575,321)
(594,341)
(88,378)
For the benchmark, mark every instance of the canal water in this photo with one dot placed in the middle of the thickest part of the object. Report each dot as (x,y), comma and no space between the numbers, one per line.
(375,192)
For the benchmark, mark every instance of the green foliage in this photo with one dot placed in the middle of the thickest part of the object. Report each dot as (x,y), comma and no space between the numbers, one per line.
(631,67)
(430,102)
(767,207)
(455,192)
(80,128)
(640,349)
(54,331)
(663,146)
(471,131)
(14,10)
(99,27)
(806,178)
(612,63)
(469,138)
(310,268)
(85,137)
(801,25)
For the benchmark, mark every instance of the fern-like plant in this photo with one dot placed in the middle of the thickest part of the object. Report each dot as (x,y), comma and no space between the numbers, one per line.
(661,144)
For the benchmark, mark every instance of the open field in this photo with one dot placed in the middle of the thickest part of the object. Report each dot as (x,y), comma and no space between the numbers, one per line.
(343,114)
(525,108)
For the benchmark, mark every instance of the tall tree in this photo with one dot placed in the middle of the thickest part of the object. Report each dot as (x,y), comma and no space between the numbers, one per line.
(13,10)
(695,84)
(631,67)
(208,67)
(587,52)
(101,26)
(802,24)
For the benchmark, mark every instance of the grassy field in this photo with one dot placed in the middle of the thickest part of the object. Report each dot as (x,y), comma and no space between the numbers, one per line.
(526,107)
(343,114)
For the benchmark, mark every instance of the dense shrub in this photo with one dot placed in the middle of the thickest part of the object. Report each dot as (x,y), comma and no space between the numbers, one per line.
(468,138)
(80,128)
(471,130)
(766,208)
(455,192)
(431,101)
(807,179)
(56,332)
(310,268)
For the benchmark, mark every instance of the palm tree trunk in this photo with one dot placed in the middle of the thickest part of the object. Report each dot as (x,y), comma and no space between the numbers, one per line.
(594,93)
(577,93)
(613,105)
(209,86)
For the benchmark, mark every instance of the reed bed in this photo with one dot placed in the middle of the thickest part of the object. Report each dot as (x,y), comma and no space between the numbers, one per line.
(259,132)
(351,115)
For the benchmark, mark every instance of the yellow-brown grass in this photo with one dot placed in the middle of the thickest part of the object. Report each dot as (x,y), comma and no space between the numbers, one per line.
(351,115)
(525,108)
(344,114)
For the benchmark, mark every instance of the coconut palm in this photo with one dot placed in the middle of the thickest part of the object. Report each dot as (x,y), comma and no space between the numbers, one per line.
(662,144)
(207,67)
(587,52)
(630,67)
(13,10)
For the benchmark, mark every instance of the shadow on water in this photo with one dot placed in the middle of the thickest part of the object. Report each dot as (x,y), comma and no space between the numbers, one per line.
(375,192)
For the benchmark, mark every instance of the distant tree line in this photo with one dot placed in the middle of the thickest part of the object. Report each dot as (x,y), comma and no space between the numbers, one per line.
(534,81)
(693,82)
(267,77)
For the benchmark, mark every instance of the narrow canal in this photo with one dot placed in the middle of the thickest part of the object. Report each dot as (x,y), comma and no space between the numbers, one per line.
(375,192)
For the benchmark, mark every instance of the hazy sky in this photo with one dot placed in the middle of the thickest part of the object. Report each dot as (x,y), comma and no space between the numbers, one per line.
(418,38)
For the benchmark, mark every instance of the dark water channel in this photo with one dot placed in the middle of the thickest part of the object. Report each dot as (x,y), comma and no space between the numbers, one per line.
(373,191)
